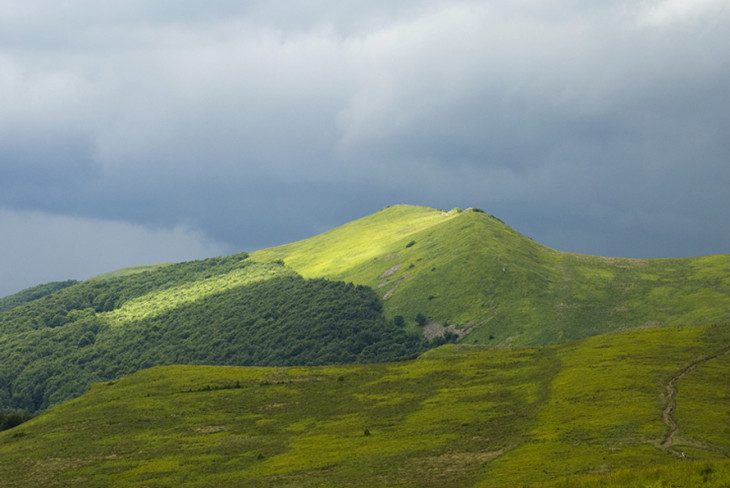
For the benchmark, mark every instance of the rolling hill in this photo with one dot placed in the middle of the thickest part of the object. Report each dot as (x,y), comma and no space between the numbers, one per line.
(417,271)
(469,269)
(217,311)
(586,413)
(278,368)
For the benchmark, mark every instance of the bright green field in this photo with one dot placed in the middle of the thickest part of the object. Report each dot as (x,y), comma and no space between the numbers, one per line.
(469,268)
(581,414)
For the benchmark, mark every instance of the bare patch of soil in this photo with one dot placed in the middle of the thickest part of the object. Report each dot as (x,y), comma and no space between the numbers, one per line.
(209,429)
(390,271)
(389,293)
(393,284)
(433,330)
(452,463)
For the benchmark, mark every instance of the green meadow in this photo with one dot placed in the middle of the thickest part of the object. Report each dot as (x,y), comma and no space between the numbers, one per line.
(470,269)
(587,413)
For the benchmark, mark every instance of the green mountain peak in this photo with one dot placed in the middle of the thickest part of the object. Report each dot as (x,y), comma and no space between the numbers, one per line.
(469,270)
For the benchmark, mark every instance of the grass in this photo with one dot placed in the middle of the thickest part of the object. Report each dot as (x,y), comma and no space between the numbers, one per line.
(566,404)
(586,413)
(469,268)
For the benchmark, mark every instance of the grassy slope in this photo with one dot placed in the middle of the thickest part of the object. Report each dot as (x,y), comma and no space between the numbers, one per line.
(470,268)
(581,414)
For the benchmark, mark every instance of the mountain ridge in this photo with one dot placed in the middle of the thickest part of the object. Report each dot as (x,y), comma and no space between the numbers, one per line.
(421,276)
(470,269)
(572,370)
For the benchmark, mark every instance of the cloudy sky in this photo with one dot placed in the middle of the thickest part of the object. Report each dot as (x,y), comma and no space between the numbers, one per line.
(161,130)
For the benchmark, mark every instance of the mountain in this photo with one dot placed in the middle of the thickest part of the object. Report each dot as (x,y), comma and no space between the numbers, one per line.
(639,408)
(418,272)
(279,368)
(217,311)
(469,269)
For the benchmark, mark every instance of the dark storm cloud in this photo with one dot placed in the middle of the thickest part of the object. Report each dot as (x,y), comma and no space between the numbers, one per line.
(593,126)
(38,247)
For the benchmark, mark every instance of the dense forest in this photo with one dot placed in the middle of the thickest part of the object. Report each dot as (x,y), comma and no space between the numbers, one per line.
(224,311)
(110,292)
(34,293)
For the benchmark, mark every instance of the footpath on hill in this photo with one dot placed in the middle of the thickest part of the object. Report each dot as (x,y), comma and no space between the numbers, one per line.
(668,440)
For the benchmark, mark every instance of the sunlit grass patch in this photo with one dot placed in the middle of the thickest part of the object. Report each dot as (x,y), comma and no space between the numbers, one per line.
(470,269)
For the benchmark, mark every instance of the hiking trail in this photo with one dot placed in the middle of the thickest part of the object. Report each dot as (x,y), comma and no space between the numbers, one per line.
(670,393)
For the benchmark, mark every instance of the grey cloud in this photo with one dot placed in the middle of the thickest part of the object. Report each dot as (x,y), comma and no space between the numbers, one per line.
(262,122)
(39,247)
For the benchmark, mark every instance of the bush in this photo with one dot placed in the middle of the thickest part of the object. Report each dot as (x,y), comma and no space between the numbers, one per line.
(12,418)
(448,337)
(451,336)
(87,339)
(411,244)
(399,321)
(421,319)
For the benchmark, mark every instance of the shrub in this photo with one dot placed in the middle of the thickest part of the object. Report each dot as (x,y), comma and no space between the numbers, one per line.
(12,418)
(411,244)
(451,336)
(87,339)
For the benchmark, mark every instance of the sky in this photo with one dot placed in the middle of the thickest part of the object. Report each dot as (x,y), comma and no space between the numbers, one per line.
(157,130)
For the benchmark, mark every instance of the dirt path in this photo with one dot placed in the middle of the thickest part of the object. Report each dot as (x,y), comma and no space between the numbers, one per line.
(670,393)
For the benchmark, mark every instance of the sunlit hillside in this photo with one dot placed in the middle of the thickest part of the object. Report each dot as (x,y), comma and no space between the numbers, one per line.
(499,287)
(588,413)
